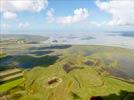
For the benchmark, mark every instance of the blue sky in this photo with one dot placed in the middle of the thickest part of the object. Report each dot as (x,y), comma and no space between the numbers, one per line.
(61,16)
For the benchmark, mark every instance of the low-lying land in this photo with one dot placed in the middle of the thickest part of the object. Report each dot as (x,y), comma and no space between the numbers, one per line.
(65,72)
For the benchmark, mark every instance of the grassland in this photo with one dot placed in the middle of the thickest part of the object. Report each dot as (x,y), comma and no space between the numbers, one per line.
(79,73)
(11,84)
(10,79)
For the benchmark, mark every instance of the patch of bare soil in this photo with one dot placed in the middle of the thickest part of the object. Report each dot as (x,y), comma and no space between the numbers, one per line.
(53,82)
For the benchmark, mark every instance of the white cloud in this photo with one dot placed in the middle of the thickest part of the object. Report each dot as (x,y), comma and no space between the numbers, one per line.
(50,12)
(50,15)
(79,14)
(9,15)
(95,23)
(122,11)
(4,26)
(19,25)
(23,5)
(23,25)
(14,6)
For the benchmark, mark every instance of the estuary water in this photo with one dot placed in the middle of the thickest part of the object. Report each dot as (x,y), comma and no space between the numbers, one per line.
(107,39)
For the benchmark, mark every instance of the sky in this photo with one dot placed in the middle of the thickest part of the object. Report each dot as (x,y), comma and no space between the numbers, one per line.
(65,16)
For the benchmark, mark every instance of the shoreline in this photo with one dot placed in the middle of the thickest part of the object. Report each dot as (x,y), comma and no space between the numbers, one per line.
(103,45)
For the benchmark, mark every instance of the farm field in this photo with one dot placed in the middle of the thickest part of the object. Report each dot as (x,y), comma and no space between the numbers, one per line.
(10,78)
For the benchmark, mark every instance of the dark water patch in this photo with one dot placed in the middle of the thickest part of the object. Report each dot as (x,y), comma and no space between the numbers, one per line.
(6,63)
(87,38)
(126,64)
(89,63)
(33,42)
(2,59)
(68,67)
(26,61)
(92,50)
(51,47)
(58,47)
(40,53)
(117,73)
(93,62)
(107,61)
(124,80)
(88,53)
(30,61)
(37,48)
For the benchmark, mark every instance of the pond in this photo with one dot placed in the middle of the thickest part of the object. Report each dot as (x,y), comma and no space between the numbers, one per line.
(27,61)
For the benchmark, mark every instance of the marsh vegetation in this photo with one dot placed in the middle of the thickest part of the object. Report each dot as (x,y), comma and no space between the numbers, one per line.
(76,72)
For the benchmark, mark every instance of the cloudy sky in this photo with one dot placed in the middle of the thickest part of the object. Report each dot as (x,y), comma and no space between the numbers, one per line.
(59,16)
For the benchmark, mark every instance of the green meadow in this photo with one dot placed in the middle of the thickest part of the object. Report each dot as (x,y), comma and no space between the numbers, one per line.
(77,73)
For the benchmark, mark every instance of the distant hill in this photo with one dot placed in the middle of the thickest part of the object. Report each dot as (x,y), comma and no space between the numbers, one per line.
(124,33)
(128,34)
(27,38)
